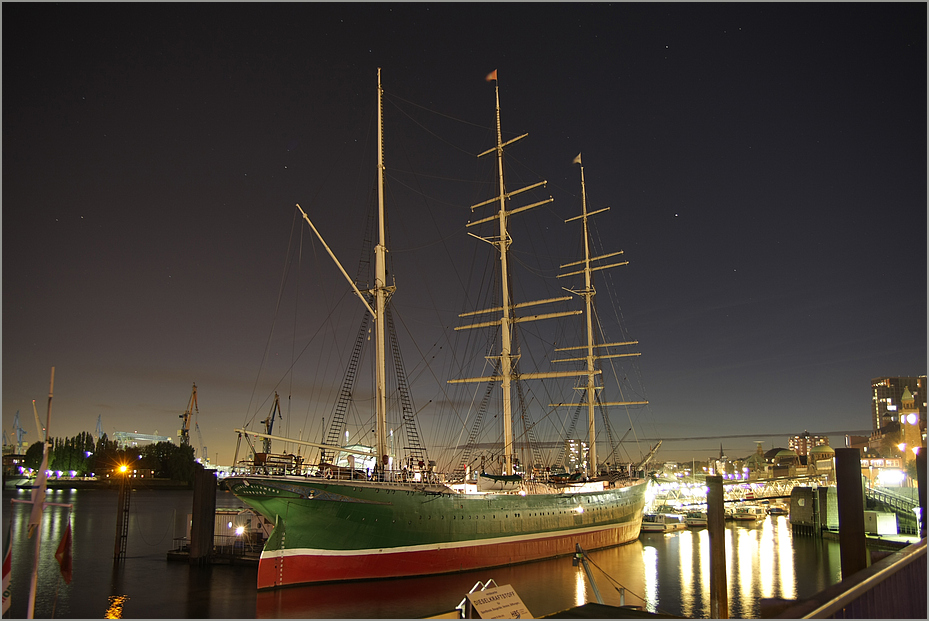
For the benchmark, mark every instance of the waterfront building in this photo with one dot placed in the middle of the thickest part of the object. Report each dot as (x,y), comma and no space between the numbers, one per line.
(821,461)
(575,455)
(883,471)
(786,463)
(803,443)
(887,395)
(132,439)
(756,463)
(913,427)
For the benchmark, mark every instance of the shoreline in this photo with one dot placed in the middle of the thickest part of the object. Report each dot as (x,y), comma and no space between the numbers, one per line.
(15,484)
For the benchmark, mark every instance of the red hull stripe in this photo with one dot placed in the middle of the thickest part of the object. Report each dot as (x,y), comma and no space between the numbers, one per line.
(300,566)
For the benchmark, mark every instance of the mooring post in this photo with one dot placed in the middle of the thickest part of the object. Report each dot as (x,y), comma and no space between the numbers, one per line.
(716,528)
(204,516)
(851,511)
(921,490)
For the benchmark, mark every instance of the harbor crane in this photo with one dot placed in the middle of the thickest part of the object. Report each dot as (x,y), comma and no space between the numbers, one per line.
(204,456)
(19,431)
(192,408)
(99,432)
(269,422)
(37,423)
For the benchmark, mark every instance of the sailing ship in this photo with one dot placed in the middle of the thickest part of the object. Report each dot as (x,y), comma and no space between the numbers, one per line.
(337,522)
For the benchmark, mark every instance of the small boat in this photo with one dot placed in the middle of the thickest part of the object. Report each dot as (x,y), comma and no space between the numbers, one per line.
(662,522)
(695,519)
(749,513)
(777,510)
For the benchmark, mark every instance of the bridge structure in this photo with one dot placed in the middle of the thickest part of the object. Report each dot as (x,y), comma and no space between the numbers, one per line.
(687,494)
(692,494)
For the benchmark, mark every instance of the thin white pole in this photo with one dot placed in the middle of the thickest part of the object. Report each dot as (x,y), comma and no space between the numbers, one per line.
(38,535)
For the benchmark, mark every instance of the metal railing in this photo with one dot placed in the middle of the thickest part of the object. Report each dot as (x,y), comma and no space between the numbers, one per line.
(901,503)
(892,588)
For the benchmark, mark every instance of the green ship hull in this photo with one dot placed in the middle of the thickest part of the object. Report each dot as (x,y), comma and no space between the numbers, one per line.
(329,530)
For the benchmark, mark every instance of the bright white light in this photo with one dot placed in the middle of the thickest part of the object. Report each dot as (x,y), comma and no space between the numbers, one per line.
(239,530)
(229,525)
(911,419)
(580,509)
(891,477)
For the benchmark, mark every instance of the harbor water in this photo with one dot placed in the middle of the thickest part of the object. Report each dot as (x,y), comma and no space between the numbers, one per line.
(665,573)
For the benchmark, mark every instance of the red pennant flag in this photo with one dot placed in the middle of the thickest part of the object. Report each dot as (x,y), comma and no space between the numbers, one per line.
(492,75)
(63,555)
(7,567)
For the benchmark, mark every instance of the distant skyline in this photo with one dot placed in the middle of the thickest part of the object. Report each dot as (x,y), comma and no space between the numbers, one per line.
(764,165)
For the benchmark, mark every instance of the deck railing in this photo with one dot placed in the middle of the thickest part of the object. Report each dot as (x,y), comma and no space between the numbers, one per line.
(892,588)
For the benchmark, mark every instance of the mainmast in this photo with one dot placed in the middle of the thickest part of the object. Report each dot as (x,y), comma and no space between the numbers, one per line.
(590,388)
(507,320)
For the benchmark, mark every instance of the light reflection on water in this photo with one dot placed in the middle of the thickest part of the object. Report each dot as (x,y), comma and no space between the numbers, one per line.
(650,562)
(662,573)
(763,561)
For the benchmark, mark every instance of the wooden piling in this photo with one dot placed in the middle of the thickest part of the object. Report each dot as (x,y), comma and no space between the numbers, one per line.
(716,528)
(851,511)
(204,516)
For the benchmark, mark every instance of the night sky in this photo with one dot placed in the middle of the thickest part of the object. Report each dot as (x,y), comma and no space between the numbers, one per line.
(764,165)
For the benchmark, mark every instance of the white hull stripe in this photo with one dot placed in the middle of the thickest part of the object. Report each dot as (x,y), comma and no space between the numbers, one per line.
(451,545)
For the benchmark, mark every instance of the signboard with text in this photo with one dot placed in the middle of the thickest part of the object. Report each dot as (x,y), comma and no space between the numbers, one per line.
(499,603)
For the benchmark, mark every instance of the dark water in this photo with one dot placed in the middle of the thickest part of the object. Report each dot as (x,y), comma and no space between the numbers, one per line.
(665,573)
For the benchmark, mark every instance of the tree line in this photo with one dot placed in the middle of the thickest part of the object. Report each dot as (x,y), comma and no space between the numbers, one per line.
(86,457)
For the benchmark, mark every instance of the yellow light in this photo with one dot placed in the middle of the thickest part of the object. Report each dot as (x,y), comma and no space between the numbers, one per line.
(123,468)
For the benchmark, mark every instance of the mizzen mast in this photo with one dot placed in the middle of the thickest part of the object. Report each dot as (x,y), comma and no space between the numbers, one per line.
(590,388)
(507,319)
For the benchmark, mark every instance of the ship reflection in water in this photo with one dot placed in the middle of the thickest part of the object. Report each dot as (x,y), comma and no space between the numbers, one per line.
(663,573)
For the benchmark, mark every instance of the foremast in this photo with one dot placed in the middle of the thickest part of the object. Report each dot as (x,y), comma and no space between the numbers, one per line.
(380,293)
(590,388)
(381,290)
(501,242)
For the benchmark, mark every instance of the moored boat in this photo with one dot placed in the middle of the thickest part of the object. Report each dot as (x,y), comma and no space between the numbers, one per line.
(746,512)
(662,522)
(778,510)
(403,517)
(695,519)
